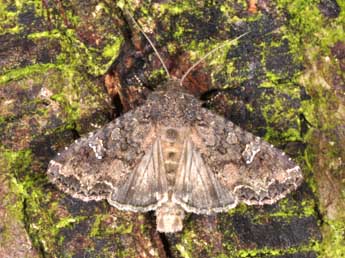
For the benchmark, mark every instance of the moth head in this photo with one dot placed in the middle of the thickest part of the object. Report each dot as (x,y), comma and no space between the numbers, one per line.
(169,218)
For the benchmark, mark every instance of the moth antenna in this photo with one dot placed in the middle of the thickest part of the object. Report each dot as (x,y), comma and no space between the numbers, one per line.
(152,45)
(209,53)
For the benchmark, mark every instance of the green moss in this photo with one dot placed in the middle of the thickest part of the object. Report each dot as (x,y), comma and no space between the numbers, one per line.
(257,252)
(334,242)
(307,25)
(157,76)
(75,54)
(8,19)
(18,166)
(241,208)
(17,162)
(199,49)
(230,248)
(183,252)
(288,210)
(179,31)
(309,158)
(76,96)
(301,26)
(16,74)
(52,34)
(34,206)
(16,209)
(175,8)
(9,16)
(2,120)
(67,222)
(71,108)
(308,110)
(123,228)
(99,229)
(188,244)
(277,113)
(312,246)
(311,35)
(96,225)
(124,252)
(144,228)
(235,251)
(172,48)
(112,51)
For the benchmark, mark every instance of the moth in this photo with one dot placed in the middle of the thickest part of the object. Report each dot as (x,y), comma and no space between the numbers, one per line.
(173,156)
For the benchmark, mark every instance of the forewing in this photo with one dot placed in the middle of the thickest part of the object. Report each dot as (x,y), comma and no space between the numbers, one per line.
(113,163)
(196,188)
(250,168)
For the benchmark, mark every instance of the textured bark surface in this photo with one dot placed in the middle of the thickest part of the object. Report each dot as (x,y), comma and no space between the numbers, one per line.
(68,66)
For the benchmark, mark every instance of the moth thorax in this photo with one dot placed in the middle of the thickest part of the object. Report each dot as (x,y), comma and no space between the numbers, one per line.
(169,218)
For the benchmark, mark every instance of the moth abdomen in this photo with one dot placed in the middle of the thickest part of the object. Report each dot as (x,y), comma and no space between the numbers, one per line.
(169,218)
(172,144)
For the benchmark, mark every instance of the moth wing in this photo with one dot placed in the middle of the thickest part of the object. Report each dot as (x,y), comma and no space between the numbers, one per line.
(147,186)
(252,169)
(113,162)
(196,188)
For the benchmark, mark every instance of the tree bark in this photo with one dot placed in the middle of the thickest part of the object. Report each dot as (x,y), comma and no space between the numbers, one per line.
(69,66)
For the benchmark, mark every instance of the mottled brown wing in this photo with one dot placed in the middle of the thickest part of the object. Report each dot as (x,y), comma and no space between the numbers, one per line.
(250,168)
(121,162)
(196,187)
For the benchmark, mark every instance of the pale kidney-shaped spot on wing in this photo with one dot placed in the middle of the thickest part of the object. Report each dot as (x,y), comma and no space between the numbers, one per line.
(98,148)
(250,152)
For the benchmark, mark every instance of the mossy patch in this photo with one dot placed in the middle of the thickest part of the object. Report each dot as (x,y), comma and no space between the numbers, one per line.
(24,72)
(28,188)
(333,244)
(56,97)
(311,35)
